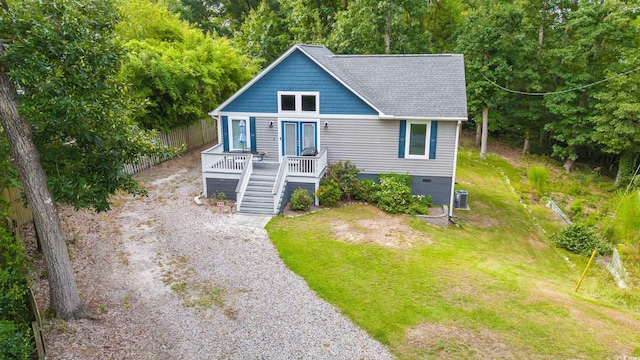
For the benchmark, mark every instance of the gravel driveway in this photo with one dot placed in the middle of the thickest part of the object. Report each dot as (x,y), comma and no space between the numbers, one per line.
(173,280)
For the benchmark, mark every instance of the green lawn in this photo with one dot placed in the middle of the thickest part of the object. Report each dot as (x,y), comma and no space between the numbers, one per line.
(493,287)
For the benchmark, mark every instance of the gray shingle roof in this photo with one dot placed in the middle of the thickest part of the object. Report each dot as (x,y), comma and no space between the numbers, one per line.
(411,86)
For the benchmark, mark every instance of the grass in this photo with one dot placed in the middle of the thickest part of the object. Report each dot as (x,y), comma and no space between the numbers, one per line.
(492,288)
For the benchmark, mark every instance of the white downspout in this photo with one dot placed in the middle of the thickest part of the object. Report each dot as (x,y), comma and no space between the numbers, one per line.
(455,165)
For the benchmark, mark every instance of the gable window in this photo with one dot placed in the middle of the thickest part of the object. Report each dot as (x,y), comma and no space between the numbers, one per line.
(299,103)
(418,139)
(288,102)
(309,103)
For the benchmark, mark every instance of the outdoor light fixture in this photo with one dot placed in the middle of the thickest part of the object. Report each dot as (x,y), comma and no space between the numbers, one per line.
(326,125)
(270,124)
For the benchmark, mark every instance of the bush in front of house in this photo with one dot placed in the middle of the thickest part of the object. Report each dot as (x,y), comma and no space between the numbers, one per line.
(365,189)
(580,238)
(344,173)
(329,193)
(300,200)
(393,195)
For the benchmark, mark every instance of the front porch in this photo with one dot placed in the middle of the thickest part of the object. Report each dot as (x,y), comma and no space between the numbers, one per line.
(259,186)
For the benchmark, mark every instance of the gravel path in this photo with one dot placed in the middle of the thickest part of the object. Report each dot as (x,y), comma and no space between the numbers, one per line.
(174,280)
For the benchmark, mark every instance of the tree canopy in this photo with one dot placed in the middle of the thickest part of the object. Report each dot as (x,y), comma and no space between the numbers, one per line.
(65,60)
(176,72)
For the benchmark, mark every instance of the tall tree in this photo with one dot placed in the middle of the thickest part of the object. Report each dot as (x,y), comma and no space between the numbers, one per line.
(264,35)
(382,26)
(67,127)
(177,73)
(488,41)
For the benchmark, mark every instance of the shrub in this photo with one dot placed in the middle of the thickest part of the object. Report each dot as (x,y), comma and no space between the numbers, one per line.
(393,195)
(300,200)
(329,193)
(538,176)
(403,179)
(345,175)
(580,238)
(365,189)
(15,318)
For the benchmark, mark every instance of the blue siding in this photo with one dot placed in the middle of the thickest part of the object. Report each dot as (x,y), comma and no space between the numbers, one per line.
(299,73)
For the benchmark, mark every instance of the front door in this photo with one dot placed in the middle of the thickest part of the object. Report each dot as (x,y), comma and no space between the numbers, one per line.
(297,136)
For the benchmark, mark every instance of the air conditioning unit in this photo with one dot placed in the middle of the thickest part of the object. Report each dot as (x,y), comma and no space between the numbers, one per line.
(461,199)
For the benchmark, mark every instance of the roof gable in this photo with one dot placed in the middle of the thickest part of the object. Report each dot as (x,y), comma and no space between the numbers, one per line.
(295,71)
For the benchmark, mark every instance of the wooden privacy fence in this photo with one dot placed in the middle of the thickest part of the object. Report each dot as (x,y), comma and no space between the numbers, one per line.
(191,137)
(19,213)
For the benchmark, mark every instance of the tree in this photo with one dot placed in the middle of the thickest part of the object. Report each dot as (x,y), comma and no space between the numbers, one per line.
(488,39)
(264,35)
(67,127)
(176,72)
(617,119)
(382,26)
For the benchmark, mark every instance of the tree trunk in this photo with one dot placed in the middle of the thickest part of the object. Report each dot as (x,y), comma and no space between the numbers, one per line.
(568,165)
(65,299)
(527,145)
(485,132)
(387,34)
(478,134)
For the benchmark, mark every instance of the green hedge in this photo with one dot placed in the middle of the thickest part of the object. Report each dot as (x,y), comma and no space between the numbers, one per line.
(16,336)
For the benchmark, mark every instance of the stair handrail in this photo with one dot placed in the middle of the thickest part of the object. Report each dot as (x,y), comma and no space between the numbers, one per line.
(278,185)
(244,180)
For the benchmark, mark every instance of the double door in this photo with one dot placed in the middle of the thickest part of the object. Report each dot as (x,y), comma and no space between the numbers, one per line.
(297,136)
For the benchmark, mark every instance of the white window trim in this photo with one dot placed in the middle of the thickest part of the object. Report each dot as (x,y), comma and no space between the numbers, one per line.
(407,140)
(247,132)
(298,95)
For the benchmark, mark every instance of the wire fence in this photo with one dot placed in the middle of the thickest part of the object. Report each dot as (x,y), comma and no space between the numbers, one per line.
(190,137)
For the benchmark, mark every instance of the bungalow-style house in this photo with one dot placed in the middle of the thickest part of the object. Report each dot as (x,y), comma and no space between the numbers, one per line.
(385,113)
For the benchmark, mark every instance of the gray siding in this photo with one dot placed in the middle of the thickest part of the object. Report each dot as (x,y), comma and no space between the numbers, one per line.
(373,146)
(439,187)
(226,186)
(267,138)
(291,187)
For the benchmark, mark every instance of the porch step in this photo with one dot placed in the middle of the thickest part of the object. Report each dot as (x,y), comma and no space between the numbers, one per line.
(258,197)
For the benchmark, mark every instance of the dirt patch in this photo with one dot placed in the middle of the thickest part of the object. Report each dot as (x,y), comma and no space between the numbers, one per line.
(392,231)
(446,341)
(480,216)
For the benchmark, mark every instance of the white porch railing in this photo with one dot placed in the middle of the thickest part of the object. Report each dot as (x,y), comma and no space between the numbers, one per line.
(244,181)
(214,160)
(278,186)
(311,166)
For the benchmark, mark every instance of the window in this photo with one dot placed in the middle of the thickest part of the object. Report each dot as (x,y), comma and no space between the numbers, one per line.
(418,139)
(417,134)
(309,103)
(300,103)
(239,134)
(288,102)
